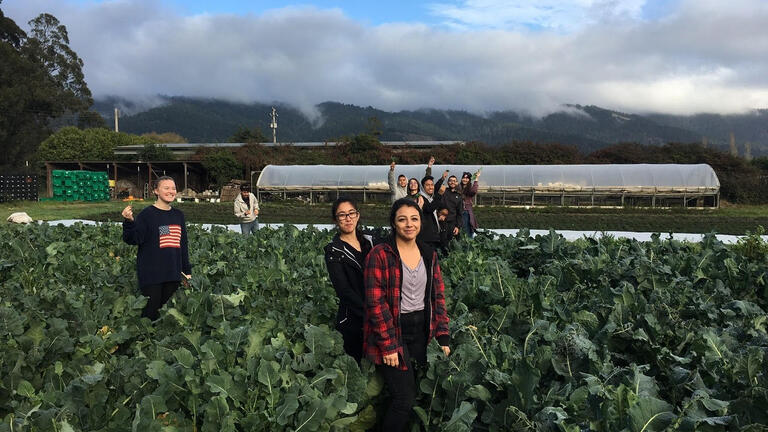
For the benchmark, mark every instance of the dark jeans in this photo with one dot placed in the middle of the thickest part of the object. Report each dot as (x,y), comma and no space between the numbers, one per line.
(157,296)
(402,383)
(467,225)
(446,235)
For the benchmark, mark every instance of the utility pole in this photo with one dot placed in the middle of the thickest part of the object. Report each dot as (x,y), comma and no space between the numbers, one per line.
(117,114)
(273,125)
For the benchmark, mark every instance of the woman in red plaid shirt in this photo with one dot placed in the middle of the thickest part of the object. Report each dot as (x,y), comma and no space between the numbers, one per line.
(404,309)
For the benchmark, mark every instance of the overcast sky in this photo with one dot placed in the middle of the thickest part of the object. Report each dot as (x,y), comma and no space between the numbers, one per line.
(670,56)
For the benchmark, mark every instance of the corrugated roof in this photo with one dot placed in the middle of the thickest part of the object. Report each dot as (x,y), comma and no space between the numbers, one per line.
(181,147)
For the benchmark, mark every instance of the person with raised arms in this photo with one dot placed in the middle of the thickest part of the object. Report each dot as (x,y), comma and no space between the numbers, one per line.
(399,189)
(430,229)
(469,187)
(162,260)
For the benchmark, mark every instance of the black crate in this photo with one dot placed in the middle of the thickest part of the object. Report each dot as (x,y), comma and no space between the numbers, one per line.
(18,187)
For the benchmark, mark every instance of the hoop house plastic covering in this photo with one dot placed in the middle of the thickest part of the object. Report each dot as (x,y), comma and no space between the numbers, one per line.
(699,178)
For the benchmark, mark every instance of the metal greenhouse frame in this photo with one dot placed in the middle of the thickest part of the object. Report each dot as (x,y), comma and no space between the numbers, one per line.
(647,185)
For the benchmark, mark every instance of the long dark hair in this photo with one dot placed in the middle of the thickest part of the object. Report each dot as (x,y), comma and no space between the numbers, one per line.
(402,202)
(408,186)
(465,190)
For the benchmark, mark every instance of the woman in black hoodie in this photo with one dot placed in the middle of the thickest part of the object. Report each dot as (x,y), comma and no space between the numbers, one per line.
(344,257)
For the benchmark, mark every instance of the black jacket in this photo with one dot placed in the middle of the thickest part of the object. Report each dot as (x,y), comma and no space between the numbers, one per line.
(430,228)
(454,202)
(346,276)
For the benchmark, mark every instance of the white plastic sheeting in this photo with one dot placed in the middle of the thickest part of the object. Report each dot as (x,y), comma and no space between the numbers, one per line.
(699,178)
(569,235)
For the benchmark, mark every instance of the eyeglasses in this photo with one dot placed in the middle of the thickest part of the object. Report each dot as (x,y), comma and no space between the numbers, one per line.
(351,215)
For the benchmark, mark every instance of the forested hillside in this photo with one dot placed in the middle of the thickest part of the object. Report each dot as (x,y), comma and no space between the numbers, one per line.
(588,128)
(749,128)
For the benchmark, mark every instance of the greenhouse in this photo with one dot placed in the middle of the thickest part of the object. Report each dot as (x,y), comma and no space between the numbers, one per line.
(651,185)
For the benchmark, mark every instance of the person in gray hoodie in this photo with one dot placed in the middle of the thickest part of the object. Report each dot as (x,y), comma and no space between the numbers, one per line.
(399,189)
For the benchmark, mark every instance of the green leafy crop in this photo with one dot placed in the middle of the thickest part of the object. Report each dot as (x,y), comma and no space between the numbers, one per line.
(550,335)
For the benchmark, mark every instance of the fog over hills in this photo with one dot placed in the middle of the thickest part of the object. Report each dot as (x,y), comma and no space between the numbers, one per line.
(585,127)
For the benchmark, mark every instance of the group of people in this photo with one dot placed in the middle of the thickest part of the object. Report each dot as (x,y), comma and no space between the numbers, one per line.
(446,203)
(391,292)
(391,298)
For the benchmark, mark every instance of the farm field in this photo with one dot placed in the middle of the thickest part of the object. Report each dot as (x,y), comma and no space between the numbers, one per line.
(547,335)
(735,220)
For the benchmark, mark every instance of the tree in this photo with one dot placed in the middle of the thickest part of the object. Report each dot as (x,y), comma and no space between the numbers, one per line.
(165,137)
(10,32)
(71,143)
(41,80)
(49,45)
(474,153)
(90,120)
(362,149)
(222,166)
(245,135)
(374,126)
(154,152)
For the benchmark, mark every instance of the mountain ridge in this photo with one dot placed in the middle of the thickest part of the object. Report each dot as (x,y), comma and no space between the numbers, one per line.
(585,127)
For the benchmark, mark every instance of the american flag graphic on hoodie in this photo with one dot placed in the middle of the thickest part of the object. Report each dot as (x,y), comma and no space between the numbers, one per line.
(170,236)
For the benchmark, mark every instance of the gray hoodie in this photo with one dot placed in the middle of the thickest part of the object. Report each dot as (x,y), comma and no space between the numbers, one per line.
(397,191)
(241,207)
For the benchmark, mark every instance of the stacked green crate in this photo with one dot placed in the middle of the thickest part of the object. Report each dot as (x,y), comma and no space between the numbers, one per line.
(62,182)
(80,185)
(96,186)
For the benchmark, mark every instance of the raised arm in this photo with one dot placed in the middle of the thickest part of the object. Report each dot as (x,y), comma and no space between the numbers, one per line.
(428,171)
(391,177)
(440,182)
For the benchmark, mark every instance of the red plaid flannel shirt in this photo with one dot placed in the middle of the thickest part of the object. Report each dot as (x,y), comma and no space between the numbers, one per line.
(383,280)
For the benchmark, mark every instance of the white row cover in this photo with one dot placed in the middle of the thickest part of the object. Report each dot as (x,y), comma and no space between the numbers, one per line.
(677,177)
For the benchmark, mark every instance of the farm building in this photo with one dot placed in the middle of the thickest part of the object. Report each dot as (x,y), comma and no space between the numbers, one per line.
(651,185)
(184,150)
(135,177)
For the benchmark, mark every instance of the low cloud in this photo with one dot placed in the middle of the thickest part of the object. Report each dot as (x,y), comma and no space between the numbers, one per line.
(703,57)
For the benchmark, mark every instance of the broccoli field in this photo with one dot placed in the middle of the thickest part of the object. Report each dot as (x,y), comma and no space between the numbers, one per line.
(547,335)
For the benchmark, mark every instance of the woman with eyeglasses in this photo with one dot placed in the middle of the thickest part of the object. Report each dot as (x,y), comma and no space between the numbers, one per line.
(404,310)
(344,257)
